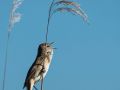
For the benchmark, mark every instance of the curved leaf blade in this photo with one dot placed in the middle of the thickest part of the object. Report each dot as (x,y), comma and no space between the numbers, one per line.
(65,2)
(72,10)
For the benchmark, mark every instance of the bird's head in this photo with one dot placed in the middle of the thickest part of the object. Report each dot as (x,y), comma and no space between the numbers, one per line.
(45,48)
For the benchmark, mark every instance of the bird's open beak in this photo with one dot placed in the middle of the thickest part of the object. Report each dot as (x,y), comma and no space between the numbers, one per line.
(52,43)
(54,48)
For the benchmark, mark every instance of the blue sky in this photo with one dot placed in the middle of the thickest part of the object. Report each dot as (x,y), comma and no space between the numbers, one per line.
(88,56)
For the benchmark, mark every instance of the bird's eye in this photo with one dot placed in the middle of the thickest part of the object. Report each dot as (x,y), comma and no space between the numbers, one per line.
(48,46)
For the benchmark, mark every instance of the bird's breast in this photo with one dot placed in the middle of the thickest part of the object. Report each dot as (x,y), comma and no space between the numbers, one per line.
(47,62)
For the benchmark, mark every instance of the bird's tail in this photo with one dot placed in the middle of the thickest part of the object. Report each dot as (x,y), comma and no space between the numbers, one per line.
(24,85)
(29,86)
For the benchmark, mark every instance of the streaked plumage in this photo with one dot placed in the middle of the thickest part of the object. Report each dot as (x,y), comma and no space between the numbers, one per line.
(40,65)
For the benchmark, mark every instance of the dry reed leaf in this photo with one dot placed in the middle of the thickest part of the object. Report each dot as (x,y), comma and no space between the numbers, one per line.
(65,2)
(66,7)
(73,11)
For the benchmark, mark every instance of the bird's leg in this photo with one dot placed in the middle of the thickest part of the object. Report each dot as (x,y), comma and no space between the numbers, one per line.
(42,83)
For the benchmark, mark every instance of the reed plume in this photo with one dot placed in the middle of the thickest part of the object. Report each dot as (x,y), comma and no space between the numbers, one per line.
(14,18)
(65,5)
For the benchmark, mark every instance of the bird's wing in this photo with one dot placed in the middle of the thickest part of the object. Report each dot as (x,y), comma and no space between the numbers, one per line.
(33,69)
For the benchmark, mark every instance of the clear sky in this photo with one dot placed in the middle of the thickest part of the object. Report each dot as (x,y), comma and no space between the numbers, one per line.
(88,56)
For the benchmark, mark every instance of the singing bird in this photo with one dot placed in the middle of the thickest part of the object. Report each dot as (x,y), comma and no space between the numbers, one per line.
(40,67)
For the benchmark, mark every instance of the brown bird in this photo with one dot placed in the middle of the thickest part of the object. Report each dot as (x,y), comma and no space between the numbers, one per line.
(40,66)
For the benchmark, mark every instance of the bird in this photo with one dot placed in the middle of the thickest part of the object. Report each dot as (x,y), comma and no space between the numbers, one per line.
(40,66)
